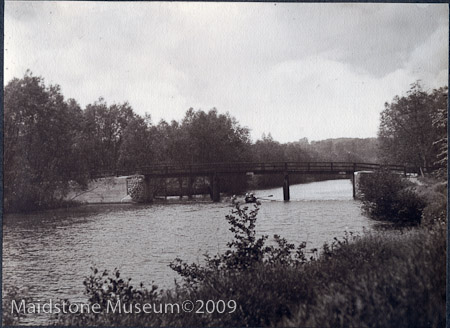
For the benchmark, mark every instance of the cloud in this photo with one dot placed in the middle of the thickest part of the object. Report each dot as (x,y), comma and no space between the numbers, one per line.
(293,69)
(429,60)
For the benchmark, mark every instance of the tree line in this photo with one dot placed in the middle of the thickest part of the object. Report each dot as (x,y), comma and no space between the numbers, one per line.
(52,144)
(413,129)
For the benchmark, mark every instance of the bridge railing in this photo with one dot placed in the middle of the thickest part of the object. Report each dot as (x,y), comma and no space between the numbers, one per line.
(243,167)
(166,169)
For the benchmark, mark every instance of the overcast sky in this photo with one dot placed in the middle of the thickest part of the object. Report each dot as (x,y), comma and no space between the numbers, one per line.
(294,70)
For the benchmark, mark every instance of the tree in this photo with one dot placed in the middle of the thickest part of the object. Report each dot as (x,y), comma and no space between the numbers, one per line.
(213,137)
(103,128)
(268,150)
(136,149)
(407,134)
(41,144)
(440,117)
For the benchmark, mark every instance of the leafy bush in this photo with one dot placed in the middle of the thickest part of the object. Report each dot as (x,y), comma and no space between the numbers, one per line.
(245,251)
(395,280)
(262,279)
(389,197)
(10,294)
(108,289)
(434,194)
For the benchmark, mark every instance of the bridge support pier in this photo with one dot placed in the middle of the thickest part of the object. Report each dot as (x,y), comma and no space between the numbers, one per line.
(354,184)
(180,183)
(286,194)
(189,187)
(215,188)
(165,188)
(148,189)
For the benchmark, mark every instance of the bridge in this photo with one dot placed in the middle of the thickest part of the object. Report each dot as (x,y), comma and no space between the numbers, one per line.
(214,170)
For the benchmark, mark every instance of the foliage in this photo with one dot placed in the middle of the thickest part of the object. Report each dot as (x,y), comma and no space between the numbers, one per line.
(392,279)
(42,145)
(388,196)
(102,287)
(434,194)
(440,119)
(108,289)
(137,148)
(268,150)
(103,129)
(337,150)
(407,134)
(212,137)
(10,294)
(245,251)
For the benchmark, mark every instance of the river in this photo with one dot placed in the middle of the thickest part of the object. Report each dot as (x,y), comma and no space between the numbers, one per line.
(50,253)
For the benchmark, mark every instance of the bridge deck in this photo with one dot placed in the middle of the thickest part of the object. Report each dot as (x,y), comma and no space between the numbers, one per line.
(179,170)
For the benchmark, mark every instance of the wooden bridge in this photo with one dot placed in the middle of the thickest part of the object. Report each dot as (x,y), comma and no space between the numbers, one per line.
(214,170)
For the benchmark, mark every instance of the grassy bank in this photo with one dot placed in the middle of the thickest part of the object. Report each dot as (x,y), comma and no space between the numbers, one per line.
(388,279)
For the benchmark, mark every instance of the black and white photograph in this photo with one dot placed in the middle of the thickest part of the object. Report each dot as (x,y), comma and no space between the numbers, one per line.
(224,164)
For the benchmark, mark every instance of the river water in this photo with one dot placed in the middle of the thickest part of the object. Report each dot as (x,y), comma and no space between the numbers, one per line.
(50,253)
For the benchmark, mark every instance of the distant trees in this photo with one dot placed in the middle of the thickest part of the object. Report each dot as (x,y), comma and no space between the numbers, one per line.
(337,150)
(407,134)
(300,151)
(346,150)
(268,150)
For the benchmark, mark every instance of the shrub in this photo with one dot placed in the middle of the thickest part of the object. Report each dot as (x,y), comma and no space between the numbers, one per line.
(396,280)
(244,251)
(434,195)
(389,197)
(108,289)
(10,294)
(262,279)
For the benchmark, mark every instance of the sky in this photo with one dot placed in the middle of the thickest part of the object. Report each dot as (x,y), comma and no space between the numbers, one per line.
(295,70)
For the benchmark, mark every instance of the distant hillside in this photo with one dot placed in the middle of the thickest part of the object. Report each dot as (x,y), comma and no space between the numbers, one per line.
(346,149)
